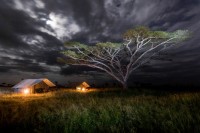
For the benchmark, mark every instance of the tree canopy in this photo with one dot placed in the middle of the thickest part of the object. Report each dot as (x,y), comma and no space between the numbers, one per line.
(119,60)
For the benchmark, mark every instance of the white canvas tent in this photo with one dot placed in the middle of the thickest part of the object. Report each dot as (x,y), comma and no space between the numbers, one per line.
(83,86)
(33,85)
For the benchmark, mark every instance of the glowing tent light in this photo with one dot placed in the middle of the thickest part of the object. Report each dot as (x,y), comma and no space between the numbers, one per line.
(82,87)
(78,88)
(26,91)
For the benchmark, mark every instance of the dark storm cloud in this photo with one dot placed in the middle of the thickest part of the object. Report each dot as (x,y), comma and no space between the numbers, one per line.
(21,65)
(3,69)
(33,31)
(8,35)
(74,70)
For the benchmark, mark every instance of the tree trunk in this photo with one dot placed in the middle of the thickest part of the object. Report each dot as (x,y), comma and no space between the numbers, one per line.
(124,85)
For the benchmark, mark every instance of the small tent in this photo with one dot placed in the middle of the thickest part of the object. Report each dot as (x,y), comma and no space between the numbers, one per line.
(83,86)
(33,86)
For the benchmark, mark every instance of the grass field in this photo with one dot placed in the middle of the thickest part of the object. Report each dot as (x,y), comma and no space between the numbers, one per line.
(101,111)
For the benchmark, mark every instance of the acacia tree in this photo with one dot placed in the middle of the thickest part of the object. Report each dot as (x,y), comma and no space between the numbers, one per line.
(119,60)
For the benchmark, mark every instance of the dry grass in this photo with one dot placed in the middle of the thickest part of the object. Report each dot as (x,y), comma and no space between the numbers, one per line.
(105,110)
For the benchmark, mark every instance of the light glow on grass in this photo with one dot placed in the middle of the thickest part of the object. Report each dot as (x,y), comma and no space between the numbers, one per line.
(83,89)
(26,91)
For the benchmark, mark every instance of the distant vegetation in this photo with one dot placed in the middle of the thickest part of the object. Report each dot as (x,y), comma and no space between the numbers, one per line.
(101,111)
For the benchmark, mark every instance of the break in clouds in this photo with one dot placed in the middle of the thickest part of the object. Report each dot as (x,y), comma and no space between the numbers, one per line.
(33,32)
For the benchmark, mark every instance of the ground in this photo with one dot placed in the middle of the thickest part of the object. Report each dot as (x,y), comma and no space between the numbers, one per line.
(101,110)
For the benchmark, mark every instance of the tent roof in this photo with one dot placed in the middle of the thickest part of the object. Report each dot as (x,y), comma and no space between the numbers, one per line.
(31,82)
(85,84)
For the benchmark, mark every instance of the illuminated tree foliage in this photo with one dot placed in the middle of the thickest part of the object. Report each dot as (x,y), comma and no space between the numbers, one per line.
(119,60)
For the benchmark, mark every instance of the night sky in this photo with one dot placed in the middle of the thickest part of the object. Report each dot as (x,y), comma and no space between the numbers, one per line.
(32,33)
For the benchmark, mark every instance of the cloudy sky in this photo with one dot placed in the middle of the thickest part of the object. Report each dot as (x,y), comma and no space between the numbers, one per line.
(33,32)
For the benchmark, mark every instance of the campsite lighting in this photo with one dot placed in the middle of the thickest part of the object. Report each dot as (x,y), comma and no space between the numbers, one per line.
(26,91)
(78,88)
(83,89)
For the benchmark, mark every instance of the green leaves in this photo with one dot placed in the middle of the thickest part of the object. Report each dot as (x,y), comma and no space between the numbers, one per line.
(181,35)
(78,50)
(159,34)
(144,32)
(75,44)
(109,45)
(71,53)
(138,31)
